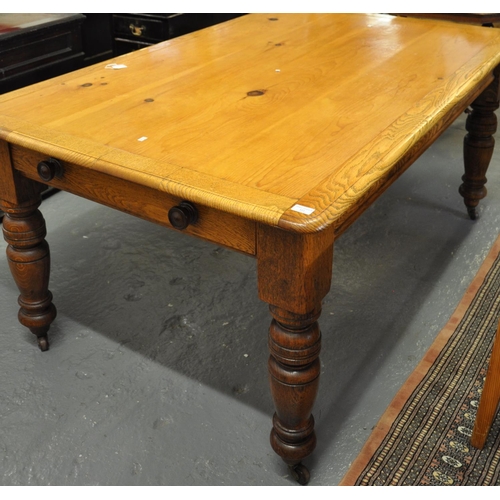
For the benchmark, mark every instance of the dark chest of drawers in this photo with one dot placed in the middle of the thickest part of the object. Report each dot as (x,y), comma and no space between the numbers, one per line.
(136,31)
(34,47)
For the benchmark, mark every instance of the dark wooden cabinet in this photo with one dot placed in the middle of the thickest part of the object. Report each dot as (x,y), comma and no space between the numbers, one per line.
(38,47)
(136,31)
(97,38)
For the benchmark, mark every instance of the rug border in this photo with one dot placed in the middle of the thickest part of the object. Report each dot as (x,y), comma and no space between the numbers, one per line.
(386,420)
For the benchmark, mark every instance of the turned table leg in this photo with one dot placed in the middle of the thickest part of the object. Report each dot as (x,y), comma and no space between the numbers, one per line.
(479,144)
(29,262)
(294,273)
(294,368)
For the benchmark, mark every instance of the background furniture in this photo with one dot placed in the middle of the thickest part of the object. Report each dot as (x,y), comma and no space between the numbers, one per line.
(136,31)
(97,38)
(34,47)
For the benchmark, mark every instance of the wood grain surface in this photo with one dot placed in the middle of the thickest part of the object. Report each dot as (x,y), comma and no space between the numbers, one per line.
(264,112)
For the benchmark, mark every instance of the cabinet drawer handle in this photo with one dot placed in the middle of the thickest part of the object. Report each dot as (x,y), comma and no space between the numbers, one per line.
(137,30)
(182,215)
(48,169)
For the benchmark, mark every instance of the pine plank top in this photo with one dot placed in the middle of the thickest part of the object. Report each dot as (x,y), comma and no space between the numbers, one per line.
(262,113)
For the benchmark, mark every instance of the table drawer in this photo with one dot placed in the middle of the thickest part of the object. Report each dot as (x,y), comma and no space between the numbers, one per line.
(142,201)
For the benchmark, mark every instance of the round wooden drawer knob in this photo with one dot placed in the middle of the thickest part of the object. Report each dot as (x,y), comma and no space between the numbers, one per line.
(48,169)
(182,215)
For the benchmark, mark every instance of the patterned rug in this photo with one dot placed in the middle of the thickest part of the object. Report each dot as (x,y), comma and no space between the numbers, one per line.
(423,437)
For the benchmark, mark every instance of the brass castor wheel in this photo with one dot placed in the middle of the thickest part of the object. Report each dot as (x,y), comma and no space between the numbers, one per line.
(43,343)
(300,473)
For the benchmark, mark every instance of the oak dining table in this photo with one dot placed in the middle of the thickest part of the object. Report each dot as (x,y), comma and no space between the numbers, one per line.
(269,134)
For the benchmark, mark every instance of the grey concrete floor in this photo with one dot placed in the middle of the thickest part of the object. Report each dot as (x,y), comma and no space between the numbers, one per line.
(157,371)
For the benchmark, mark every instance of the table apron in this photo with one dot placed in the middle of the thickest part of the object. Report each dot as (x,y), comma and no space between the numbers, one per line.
(145,202)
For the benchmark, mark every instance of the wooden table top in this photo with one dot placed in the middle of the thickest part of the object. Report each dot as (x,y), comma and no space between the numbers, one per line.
(262,113)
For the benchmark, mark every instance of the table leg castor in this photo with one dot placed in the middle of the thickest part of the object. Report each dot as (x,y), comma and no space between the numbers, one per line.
(43,343)
(300,473)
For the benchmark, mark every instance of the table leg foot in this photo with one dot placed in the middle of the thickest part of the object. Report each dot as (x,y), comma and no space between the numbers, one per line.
(472,213)
(294,343)
(479,144)
(29,261)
